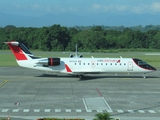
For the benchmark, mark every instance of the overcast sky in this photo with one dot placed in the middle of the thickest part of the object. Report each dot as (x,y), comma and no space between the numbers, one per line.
(79,7)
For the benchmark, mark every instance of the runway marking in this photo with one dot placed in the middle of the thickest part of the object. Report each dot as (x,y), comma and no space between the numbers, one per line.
(26,110)
(5,110)
(99,111)
(4,82)
(47,110)
(109,111)
(15,110)
(84,104)
(88,110)
(96,103)
(152,53)
(36,110)
(130,111)
(78,110)
(57,110)
(106,104)
(68,110)
(151,111)
(120,111)
(99,92)
(141,111)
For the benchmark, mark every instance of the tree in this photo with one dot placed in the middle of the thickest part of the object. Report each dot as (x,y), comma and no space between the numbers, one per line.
(102,116)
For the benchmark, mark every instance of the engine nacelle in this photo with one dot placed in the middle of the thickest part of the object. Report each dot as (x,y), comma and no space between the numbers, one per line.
(80,56)
(50,62)
(53,61)
(71,56)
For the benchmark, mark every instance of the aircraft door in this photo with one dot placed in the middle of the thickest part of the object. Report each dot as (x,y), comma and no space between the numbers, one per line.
(130,66)
(93,63)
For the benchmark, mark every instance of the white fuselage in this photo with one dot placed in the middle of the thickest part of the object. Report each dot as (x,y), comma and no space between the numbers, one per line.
(87,65)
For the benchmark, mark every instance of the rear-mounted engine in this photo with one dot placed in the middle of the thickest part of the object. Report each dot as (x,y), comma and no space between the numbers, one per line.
(50,62)
(53,61)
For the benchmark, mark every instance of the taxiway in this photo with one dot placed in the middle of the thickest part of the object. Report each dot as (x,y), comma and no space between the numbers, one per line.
(31,94)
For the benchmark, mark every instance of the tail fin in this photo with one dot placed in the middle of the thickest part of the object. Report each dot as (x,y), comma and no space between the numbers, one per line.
(19,50)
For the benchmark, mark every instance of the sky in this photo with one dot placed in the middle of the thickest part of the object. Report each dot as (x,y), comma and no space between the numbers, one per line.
(38,8)
(80,7)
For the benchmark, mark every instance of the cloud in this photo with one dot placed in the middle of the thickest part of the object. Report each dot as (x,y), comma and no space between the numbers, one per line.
(109,8)
(155,7)
(140,8)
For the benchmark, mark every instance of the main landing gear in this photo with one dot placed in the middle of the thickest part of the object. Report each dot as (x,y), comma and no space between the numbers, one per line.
(80,77)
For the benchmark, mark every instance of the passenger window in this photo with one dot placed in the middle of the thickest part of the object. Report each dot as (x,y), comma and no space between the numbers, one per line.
(79,63)
(97,63)
(88,63)
(75,63)
(110,63)
(106,63)
(101,63)
(115,63)
(124,63)
(83,63)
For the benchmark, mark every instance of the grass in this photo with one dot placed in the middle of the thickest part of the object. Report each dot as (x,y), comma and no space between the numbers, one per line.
(7,58)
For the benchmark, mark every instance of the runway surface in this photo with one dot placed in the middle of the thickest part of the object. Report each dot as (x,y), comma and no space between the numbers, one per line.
(31,94)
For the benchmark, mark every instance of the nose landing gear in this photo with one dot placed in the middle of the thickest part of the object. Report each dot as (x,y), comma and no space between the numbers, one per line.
(144,75)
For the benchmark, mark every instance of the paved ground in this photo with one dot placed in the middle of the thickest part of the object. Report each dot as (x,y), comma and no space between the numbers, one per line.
(30,94)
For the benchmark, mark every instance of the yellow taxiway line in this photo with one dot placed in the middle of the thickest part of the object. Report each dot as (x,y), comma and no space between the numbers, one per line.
(4,82)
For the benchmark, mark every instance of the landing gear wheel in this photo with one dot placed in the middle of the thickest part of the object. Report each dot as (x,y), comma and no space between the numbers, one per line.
(144,75)
(81,77)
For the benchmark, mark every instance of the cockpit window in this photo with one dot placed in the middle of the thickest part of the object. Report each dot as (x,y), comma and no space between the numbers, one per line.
(141,63)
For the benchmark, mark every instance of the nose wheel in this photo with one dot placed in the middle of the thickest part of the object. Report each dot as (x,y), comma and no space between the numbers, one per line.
(144,75)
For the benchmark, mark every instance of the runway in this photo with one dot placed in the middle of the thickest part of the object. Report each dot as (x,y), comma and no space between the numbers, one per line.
(31,94)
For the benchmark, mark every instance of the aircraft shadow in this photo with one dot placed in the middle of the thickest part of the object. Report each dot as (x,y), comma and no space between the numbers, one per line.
(89,77)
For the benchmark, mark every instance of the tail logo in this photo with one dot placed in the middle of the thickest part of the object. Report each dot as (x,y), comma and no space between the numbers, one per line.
(16,50)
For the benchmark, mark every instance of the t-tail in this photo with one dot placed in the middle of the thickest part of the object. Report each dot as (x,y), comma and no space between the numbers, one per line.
(20,51)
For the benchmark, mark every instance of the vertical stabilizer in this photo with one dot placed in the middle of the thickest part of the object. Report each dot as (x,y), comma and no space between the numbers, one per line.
(19,50)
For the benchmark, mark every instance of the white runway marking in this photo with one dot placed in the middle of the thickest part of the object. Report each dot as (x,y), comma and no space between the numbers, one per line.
(141,111)
(68,110)
(15,110)
(110,111)
(47,110)
(151,111)
(36,110)
(99,111)
(78,110)
(97,103)
(5,110)
(57,110)
(88,110)
(152,54)
(130,111)
(26,110)
(120,111)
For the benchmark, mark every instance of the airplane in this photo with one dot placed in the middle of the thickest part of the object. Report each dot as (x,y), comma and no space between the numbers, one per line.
(76,54)
(78,66)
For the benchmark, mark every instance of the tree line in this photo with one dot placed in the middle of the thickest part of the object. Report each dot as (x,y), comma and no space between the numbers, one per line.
(94,38)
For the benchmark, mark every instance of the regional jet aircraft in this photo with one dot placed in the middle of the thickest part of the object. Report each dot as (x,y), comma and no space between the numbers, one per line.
(78,66)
